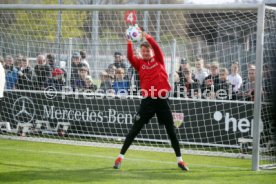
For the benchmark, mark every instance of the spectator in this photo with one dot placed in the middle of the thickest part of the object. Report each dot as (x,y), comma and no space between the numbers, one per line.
(76,65)
(118,61)
(183,64)
(134,80)
(25,75)
(208,68)
(250,66)
(176,81)
(267,82)
(42,73)
(247,90)
(200,73)
(111,71)
(224,85)
(2,87)
(120,85)
(51,61)
(235,78)
(11,73)
(89,86)
(85,81)
(176,78)
(211,82)
(57,81)
(106,82)
(17,62)
(83,59)
(213,78)
(190,87)
(123,60)
(83,73)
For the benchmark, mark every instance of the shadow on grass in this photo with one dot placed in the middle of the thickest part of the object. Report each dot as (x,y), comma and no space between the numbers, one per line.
(130,175)
(92,175)
(23,166)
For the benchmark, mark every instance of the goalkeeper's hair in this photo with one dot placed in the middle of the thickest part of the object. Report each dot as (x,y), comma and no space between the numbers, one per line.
(145,44)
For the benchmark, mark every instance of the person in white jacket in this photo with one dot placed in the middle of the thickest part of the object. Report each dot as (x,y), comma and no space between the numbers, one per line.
(2,83)
(200,73)
(2,77)
(235,78)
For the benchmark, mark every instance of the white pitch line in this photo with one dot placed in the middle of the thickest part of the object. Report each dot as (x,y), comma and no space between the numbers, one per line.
(128,159)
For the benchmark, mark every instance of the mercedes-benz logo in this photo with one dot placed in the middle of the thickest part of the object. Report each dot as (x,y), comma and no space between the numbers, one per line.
(23,110)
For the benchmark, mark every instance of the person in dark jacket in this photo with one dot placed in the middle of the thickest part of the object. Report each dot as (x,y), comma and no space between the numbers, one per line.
(25,75)
(57,81)
(11,72)
(118,61)
(184,65)
(84,83)
(106,82)
(187,88)
(42,73)
(75,69)
(224,90)
(51,61)
(211,82)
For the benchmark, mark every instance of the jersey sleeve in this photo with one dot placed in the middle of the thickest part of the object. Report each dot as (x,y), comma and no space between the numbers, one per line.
(157,50)
(131,57)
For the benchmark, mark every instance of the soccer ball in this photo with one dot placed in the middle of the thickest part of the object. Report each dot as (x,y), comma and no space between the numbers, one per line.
(134,33)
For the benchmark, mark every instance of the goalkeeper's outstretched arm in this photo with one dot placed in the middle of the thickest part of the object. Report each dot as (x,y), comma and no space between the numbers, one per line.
(131,56)
(155,47)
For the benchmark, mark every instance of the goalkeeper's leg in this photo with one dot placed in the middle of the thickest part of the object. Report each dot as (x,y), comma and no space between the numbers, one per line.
(136,128)
(145,113)
(175,144)
(164,116)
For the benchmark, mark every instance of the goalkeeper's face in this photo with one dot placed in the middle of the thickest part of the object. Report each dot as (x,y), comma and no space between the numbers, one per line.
(146,53)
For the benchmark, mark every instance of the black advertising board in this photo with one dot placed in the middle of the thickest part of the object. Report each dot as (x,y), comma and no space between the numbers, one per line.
(196,121)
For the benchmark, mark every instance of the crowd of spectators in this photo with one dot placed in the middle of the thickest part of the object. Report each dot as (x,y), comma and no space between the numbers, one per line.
(114,78)
(203,80)
(216,82)
(45,73)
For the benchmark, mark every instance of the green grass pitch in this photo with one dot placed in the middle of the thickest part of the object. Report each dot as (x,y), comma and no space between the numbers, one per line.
(33,162)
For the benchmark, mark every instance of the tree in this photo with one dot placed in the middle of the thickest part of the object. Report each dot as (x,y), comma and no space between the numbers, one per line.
(42,24)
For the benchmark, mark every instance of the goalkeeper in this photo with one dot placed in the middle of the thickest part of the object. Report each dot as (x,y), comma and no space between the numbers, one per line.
(155,89)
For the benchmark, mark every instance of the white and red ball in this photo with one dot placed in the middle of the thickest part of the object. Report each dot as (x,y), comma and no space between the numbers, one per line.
(134,33)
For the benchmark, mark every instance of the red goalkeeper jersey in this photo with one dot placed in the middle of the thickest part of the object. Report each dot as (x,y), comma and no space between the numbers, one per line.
(152,73)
